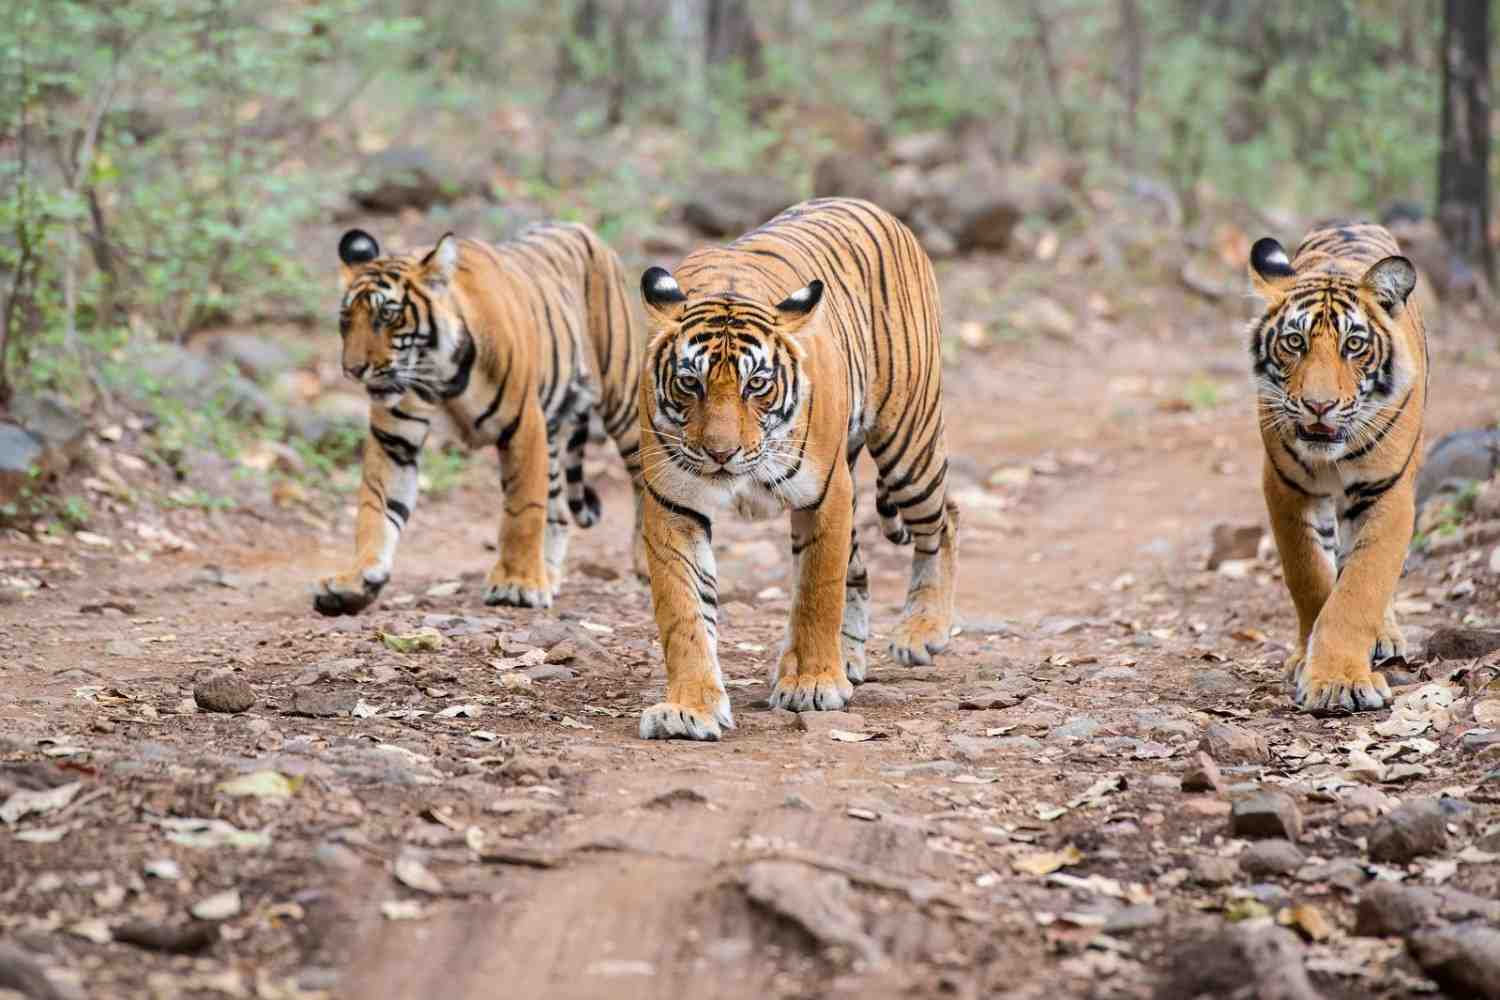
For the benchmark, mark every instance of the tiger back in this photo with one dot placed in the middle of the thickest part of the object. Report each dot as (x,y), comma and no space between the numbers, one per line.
(1340,365)
(772,363)
(520,343)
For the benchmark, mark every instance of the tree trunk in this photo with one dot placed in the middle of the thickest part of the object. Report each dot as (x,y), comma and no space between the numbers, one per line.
(731,36)
(1463,164)
(1132,57)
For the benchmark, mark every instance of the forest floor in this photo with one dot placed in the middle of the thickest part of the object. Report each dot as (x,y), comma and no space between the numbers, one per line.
(466,822)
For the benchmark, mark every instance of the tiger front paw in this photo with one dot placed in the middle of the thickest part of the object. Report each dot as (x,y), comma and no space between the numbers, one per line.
(918,639)
(348,593)
(1330,683)
(531,591)
(670,720)
(804,686)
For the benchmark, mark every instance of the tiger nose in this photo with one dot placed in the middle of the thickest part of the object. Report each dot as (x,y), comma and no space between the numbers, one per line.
(356,371)
(722,457)
(1320,407)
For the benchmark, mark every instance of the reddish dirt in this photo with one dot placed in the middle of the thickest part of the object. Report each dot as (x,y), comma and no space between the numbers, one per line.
(575,860)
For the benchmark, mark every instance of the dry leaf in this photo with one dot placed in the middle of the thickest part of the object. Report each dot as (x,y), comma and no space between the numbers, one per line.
(262,785)
(1307,920)
(23,802)
(403,909)
(1487,712)
(454,711)
(569,722)
(219,906)
(414,875)
(845,736)
(445,589)
(1046,862)
(423,640)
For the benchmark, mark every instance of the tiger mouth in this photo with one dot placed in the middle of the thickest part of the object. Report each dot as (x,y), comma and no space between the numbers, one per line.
(1320,434)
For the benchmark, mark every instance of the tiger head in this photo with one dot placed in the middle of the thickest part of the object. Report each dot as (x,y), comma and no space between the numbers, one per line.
(1328,357)
(400,327)
(727,377)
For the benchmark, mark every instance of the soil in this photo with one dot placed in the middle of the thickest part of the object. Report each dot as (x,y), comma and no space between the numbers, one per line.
(530,844)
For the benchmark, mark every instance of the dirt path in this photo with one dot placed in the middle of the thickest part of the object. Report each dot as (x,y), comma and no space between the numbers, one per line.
(555,854)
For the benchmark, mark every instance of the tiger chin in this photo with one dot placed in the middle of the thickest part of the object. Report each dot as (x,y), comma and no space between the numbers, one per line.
(522,345)
(772,363)
(1340,368)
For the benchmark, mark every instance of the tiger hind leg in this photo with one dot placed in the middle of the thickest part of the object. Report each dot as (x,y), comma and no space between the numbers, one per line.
(555,538)
(583,502)
(928,618)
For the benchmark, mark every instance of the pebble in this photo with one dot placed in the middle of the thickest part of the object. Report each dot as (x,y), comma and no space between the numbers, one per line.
(551,672)
(822,722)
(1408,832)
(1212,870)
(1132,918)
(1266,814)
(1250,959)
(881,694)
(994,694)
(1266,858)
(1389,909)
(224,692)
(1080,727)
(1464,960)
(563,652)
(322,704)
(977,748)
(1203,775)
(1204,806)
(1232,745)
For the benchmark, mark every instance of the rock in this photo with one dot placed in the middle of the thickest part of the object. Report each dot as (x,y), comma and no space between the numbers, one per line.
(1234,541)
(21,971)
(1453,642)
(995,694)
(404,177)
(927,149)
(172,939)
(1266,814)
(258,357)
(1408,832)
(1232,745)
(1080,727)
(1203,775)
(722,203)
(1456,460)
(1269,858)
(1463,960)
(822,722)
(322,704)
(224,692)
(22,460)
(1209,869)
(1246,961)
(563,652)
(550,672)
(196,381)
(1390,909)
(1132,918)
(882,694)
(976,749)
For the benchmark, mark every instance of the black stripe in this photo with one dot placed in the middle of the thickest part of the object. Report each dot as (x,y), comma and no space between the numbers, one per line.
(687,512)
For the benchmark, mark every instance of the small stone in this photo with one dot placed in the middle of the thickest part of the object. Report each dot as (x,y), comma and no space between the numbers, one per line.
(882,694)
(1266,814)
(1234,541)
(333,855)
(1209,869)
(995,694)
(224,692)
(1248,959)
(1203,775)
(563,652)
(1389,909)
(322,704)
(1132,918)
(1269,858)
(1232,745)
(551,672)
(822,722)
(1453,642)
(1207,807)
(1080,727)
(1464,960)
(1409,831)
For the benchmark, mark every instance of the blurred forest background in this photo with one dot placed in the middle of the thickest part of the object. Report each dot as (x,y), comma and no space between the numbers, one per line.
(174,174)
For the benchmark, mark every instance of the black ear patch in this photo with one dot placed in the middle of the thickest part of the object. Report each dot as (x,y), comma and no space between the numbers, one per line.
(659,288)
(1392,279)
(358,247)
(803,300)
(1269,260)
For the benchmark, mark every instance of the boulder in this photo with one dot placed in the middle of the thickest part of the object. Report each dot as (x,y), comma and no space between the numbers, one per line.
(725,204)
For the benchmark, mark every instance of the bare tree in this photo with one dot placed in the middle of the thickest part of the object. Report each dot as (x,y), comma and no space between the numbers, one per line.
(1132,57)
(731,36)
(1463,165)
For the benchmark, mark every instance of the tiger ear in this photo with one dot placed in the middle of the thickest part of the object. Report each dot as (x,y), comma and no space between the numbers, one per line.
(356,247)
(662,295)
(1270,269)
(441,262)
(1391,280)
(797,308)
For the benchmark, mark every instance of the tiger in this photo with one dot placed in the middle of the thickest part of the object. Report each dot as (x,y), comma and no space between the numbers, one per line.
(521,344)
(771,363)
(1339,362)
